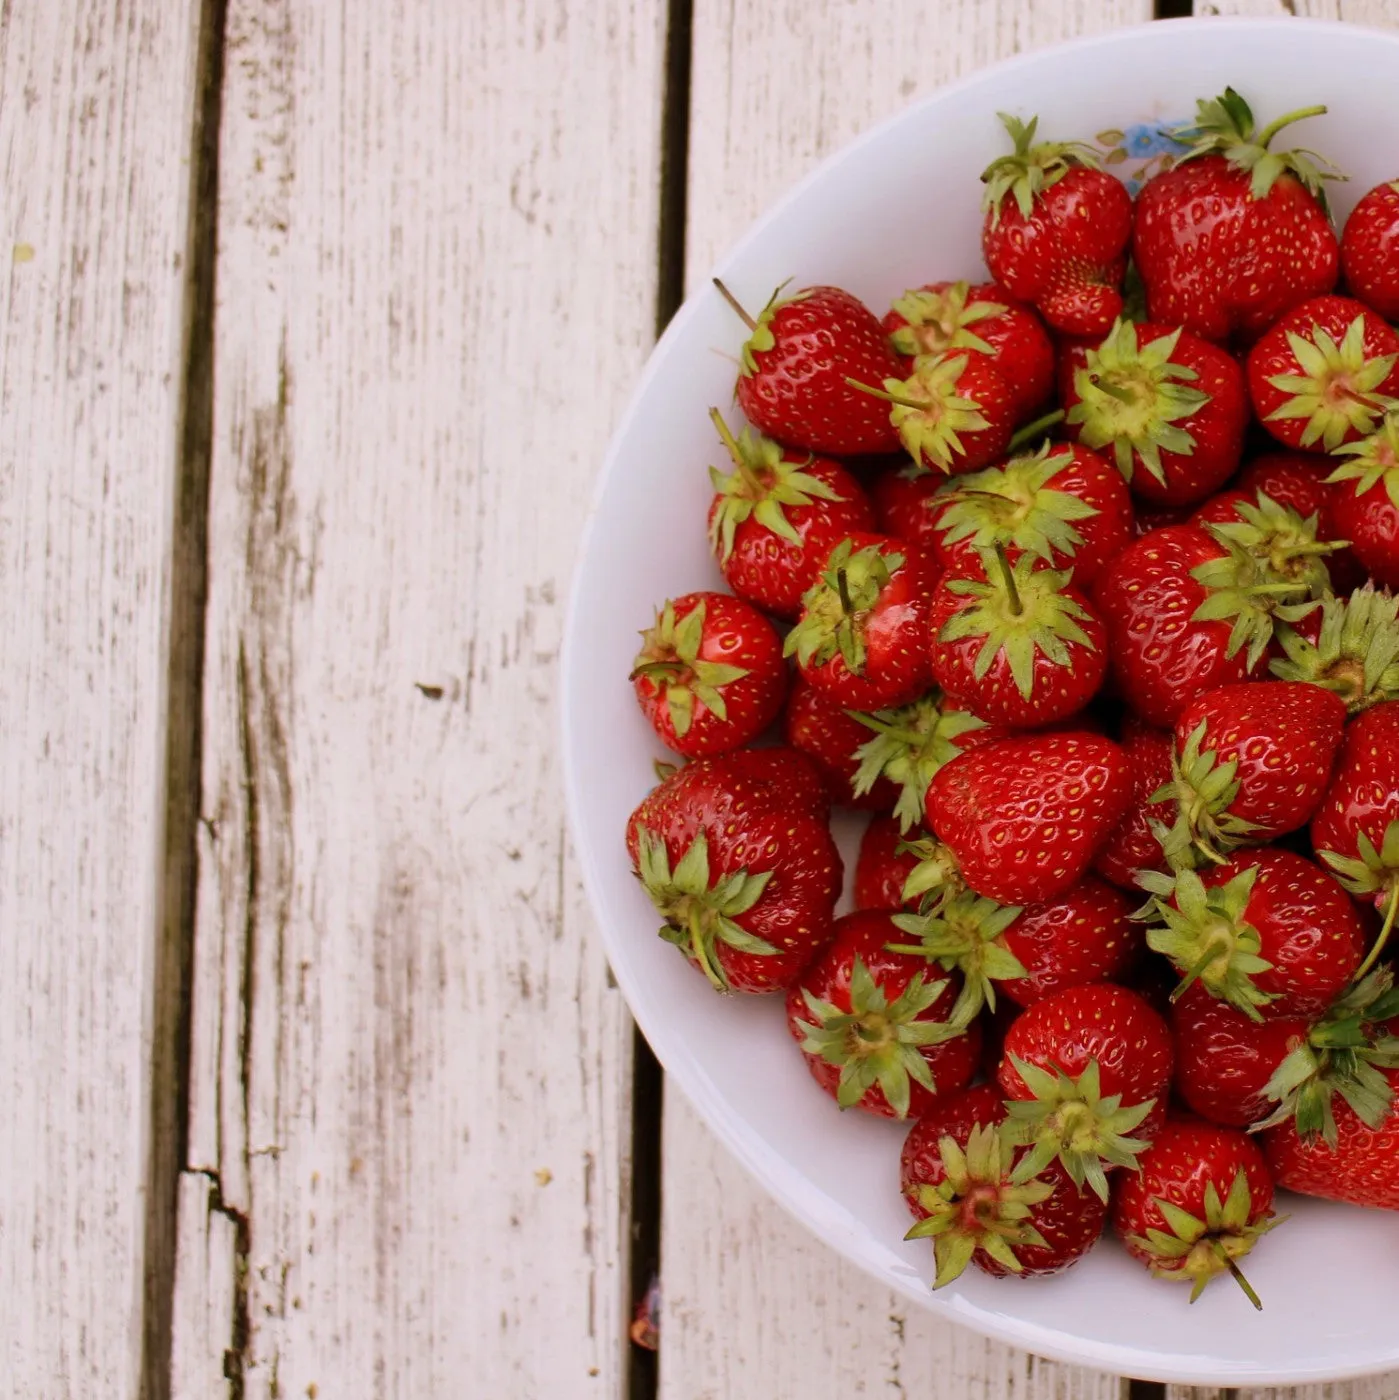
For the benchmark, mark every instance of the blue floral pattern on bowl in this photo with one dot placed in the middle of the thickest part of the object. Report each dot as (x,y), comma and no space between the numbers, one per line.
(1145,149)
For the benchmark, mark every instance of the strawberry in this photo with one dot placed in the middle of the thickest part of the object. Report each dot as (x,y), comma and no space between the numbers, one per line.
(1323,374)
(883,866)
(1082,1069)
(1023,650)
(948,317)
(1362,1167)
(710,674)
(1370,250)
(1063,504)
(877,1033)
(1366,507)
(1298,480)
(1353,652)
(1251,763)
(1134,846)
(1147,517)
(1200,1199)
(799,355)
(1026,815)
(831,737)
(777,516)
(736,855)
(936,877)
(906,500)
(1267,931)
(1056,230)
(862,637)
(1168,407)
(1234,235)
(1186,611)
(959,1175)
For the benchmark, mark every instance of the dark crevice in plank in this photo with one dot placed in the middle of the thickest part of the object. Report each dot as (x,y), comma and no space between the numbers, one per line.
(174,933)
(1171,9)
(675,162)
(1145,1390)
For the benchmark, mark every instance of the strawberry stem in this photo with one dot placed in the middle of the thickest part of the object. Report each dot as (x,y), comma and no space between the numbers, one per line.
(1239,1277)
(843,588)
(1386,929)
(736,304)
(887,397)
(1033,430)
(1008,580)
(727,438)
(1273,127)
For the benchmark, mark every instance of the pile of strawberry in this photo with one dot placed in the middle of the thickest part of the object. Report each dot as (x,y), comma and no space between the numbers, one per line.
(1077,582)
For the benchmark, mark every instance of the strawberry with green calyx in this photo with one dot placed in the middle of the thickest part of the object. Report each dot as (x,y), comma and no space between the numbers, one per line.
(1370,250)
(946,317)
(1268,931)
(1324,374)
(1366,508)
(1086,1072)
(862,635)
(1282,541)
(831,737)
(1252,762)
(777,516)
(1200,1200)
(877,1033)
(710,674)
(935,877)
(736,855)
(1356,651)
(1056,230)
(795,364)
(956,1171)
(1017,646)
(1134,847)
(909,745)
(1167,406)
(953,414)
(882,867)
(1064,504)
(1234,234)
(906,500)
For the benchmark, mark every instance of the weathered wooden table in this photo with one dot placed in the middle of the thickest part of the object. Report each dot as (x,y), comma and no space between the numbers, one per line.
(316,320)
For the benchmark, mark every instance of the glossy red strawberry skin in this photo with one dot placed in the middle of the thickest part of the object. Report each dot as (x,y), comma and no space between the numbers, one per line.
(1161,659)
(1282,735)
(772,573)
(1020,345)
(905,501)
(1133,846)
(798,393)
(1221,263)
(1362,1169)
(821,729)
(1026,815)
(1070,1221)
(1184,1160)
(881,869)
(760,810)
(1068,258)
(863,935)
(1370,250)
(1370,521)
(1082,937)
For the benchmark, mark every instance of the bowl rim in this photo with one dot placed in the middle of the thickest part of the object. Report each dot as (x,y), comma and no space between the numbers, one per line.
(764,1166)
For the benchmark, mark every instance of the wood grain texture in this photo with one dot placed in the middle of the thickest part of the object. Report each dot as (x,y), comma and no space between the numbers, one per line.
(776,88)
(96,119)
(410,1114)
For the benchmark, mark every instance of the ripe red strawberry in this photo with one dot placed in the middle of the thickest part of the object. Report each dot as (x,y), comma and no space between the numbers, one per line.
(959,1177)
(950,317)
(736,855)
(1148,516)
(1323,374)
(1082,1069)
(863,634)
(1251,763)
(777,516)
(802,350)
(1184,613)
(877,1031)
(710,674)
(1056,230)
(832,739)
(1026,815)
(1267,931)
(936,877)
(1353,651)
(1201,1197)
(1234,235)
(1366,506)
(1167,406)
(1362,1168)
(1298,480)
(1021,648)
(1134,846)
(1370,250)
(883,866)
(906,500)
(1063,504)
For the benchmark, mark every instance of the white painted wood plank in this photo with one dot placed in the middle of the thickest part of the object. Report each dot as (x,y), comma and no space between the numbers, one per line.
(436,286)
(96,111)
(776,88)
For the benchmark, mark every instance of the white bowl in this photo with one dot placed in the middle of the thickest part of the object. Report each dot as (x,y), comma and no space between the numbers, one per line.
(895,209)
